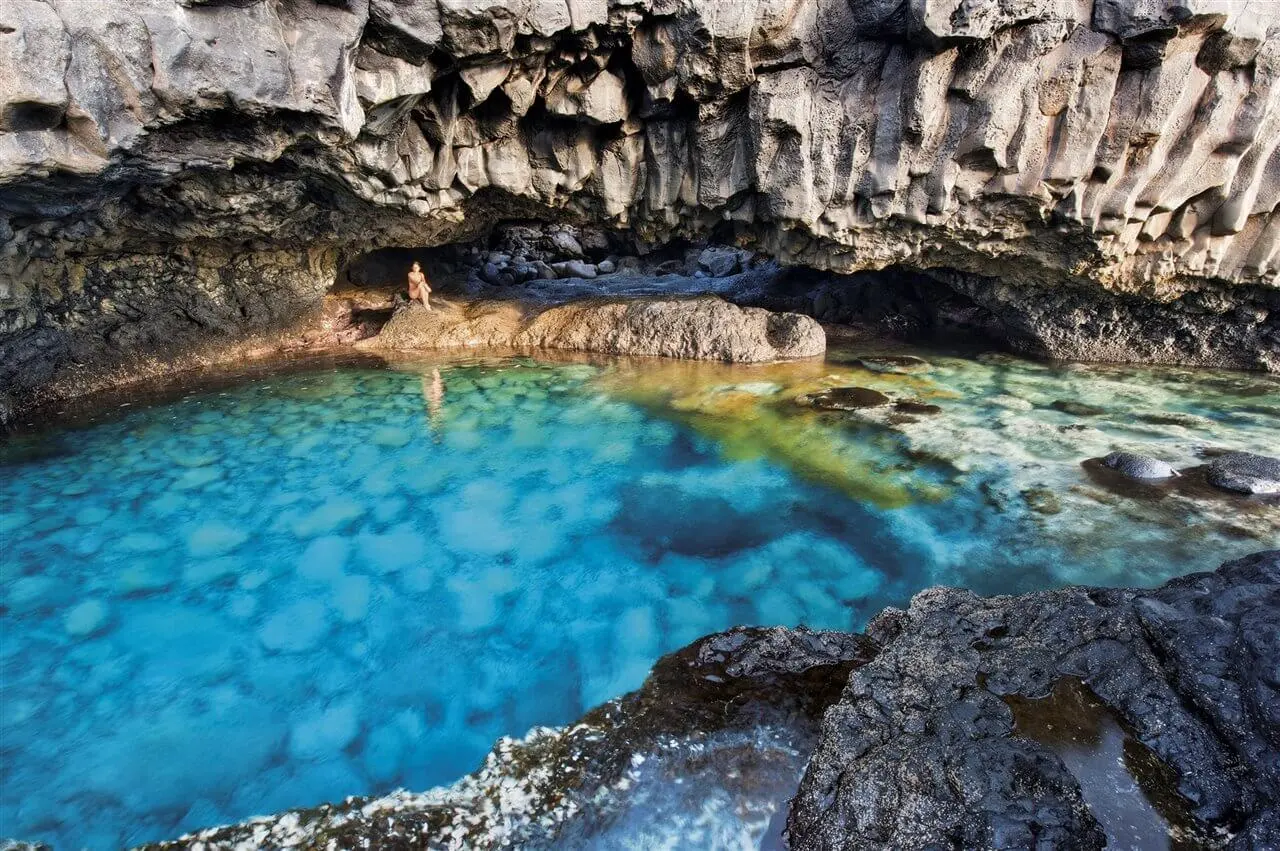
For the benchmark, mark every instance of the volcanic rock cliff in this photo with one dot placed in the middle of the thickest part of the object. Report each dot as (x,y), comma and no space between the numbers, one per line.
(171,168)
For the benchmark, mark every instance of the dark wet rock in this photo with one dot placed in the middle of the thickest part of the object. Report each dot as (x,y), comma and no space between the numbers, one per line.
(566,243)
(719,262)
(1245,472)
(575,269)
(921,752)
(1077,409)
(845,399)
(1190,420)
(914,406)
(1139,466)
(1042,501)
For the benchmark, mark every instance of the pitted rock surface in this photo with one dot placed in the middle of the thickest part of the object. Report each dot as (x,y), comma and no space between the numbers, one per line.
(1245,472)
(920,752)
(705,328)
(1139,467)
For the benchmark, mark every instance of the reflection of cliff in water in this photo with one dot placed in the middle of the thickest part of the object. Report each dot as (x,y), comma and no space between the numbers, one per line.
(1129,790)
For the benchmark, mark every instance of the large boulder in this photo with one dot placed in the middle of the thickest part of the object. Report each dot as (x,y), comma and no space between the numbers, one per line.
(1245,472)
(1136,466)
(699,328)
(941,740)
(706,328)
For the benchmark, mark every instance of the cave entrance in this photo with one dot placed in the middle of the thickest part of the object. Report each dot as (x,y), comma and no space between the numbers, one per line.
(387,269)
(548,263)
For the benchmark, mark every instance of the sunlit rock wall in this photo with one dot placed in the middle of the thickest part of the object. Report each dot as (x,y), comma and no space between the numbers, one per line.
(1130,145)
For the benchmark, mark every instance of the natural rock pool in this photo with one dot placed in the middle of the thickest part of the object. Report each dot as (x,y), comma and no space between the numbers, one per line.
(350,579)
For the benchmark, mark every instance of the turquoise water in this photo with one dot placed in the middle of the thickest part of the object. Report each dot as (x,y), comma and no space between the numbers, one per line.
(345,581)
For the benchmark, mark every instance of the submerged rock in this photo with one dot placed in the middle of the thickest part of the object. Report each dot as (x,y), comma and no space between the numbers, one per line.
(1139,466)
(1245,472)
(87,618)
(914,406)
(937,730)
(893,363)
(846,399)
(1077,409)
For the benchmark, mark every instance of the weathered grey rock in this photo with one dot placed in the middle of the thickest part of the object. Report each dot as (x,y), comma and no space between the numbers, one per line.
(1245,472)
(705,328)
(1139,466)
(720,262)
(565,242)
(923,750)
(701,328)
(605,267)
(1101,177)
(574,269)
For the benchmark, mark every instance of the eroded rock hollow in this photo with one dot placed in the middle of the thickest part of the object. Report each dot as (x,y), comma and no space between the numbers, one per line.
(178,170)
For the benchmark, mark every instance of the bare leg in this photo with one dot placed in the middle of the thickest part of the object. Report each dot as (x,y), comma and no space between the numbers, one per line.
(426,299)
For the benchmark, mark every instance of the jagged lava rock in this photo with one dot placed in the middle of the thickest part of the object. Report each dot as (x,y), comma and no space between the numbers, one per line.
(920,750)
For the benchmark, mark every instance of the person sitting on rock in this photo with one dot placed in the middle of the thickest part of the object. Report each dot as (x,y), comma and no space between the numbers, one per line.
(418,286)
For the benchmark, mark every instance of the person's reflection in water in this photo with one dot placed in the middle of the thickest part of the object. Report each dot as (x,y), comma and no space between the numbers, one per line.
(433,393)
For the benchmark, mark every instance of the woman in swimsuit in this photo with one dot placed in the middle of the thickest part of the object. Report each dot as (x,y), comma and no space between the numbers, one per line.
(419,289)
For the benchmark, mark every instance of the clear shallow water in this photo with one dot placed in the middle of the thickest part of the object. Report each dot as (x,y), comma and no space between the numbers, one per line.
(329,583)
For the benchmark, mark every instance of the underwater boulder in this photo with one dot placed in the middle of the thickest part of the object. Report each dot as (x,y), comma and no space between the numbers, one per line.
(1245,472)
(1137,466)
(845,399)
(1077,409)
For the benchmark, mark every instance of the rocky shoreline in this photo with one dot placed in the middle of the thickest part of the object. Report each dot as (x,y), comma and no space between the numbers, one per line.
(929,730)
(541,289)
(1091,181)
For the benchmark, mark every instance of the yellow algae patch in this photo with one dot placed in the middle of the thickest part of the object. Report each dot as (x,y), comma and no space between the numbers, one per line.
(749,410)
